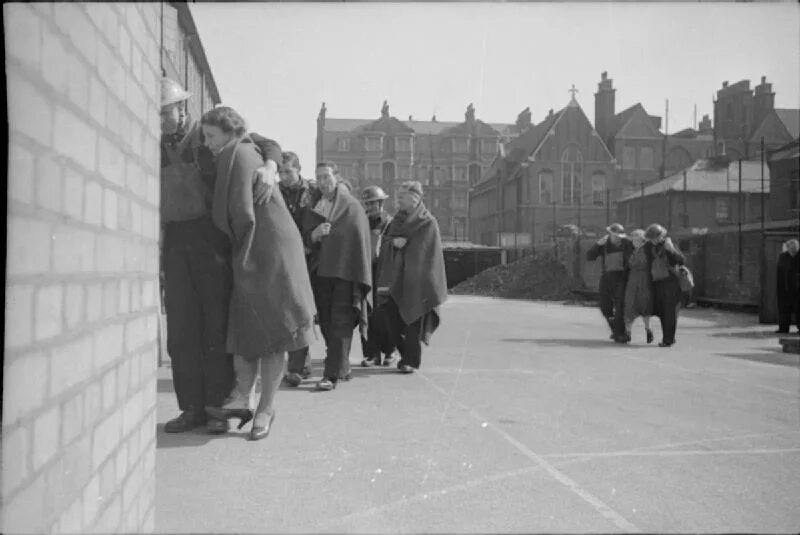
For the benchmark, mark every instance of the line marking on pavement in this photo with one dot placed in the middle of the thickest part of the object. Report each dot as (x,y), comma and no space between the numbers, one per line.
(669,453)
(662,364)
(601,507)
(434,493)
(707,440)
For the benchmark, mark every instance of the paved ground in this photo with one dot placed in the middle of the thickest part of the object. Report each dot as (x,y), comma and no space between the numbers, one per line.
(524,418)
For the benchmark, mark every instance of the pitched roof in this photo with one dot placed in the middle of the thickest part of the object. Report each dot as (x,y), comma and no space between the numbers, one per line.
(622,118)
(390,125)
(518,149)
(345,125)
(421,127)
(790,119)
(466,129)
(705,176)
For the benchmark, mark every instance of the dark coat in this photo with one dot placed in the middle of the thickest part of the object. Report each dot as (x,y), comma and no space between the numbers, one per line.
(609,252)
(272,306)
(787,281)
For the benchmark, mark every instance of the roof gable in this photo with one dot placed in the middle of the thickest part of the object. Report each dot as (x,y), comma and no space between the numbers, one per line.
(470,128)
(580,128)
(771,129)
(638,125)
(790,119)
(388,125)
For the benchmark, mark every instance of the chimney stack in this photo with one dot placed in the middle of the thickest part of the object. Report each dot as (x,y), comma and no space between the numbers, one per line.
(604,107)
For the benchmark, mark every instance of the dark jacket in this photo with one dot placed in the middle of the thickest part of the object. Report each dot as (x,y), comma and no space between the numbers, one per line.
(787,281)
(297,198)
(615,257)
(674,257)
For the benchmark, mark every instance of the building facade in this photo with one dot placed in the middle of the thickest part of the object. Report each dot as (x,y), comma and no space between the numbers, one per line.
(705,197)
(555,173)
(82,271)
(445,156)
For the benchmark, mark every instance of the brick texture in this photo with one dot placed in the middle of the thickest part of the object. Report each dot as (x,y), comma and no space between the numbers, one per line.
(78,425)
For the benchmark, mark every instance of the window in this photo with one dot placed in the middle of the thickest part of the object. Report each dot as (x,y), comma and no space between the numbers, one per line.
(345,170)
(460,174)
(629,157)
(488,146)
(475,173)
(723,209)
(460,200)
(422,174)
(403,144)
(404,172)
(571,175)
(388,171)
(373,171)
(373,144)
(545,187)
(460,146)
(646,158)
(344,144)
(598,189)
(438,176)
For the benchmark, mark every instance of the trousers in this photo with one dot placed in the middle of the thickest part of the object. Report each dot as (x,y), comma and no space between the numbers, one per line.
(197,289)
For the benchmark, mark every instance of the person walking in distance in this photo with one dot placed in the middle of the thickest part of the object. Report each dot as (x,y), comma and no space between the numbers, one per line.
(614,249)
(412,274)
(639,288)
(664,259)
(373,198)
(336,230)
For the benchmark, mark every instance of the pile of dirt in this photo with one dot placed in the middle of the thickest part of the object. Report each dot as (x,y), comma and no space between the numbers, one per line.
(539,276)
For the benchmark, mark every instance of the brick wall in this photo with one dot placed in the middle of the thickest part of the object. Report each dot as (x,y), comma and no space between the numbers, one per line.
(78,429)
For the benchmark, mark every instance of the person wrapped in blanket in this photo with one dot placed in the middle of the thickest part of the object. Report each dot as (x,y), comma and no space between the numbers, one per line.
(411,281)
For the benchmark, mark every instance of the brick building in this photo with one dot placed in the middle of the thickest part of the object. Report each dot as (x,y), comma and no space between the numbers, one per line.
(704,196)
(642,152)
(445,156)
(82,292)
(742,116)
(558,172)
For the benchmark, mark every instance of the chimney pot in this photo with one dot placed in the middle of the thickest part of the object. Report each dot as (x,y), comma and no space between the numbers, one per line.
(604,75)
(763,79)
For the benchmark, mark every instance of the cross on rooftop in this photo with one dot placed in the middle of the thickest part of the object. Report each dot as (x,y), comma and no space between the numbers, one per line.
(573,91)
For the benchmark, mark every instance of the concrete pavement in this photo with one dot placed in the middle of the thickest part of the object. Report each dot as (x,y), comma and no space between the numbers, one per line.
(524,418)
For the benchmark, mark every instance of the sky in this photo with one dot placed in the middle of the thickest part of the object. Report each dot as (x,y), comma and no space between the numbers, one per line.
(276,63)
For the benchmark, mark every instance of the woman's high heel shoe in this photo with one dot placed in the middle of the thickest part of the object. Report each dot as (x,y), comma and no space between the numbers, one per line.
(243,415)
(258,432)
(649,336)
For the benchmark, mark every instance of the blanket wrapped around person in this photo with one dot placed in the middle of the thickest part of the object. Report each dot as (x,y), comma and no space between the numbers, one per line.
(414,275)
(344,253)
(272,306)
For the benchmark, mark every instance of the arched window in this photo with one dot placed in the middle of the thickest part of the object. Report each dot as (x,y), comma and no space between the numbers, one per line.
(571,175)
(678,159)
(545,187)
(598,188)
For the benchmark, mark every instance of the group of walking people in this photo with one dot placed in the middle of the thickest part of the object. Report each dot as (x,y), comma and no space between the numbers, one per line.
(643,275)
(255,256)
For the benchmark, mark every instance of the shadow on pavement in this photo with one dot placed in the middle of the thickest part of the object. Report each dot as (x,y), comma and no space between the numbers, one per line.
(776,356)
(570,342)
(191,439)
(747,334)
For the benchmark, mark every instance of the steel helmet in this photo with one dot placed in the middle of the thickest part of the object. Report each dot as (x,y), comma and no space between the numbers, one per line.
(373,193)
(172,92)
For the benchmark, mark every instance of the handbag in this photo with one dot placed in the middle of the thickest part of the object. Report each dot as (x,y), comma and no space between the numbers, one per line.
(686,279)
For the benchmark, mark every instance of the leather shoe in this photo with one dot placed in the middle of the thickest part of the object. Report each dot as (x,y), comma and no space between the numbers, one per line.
(186,421)
(260,433)
(294,379)
(217,427)
(405,368)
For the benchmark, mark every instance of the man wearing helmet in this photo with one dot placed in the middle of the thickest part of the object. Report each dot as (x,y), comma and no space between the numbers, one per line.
(373,198)
(196,262)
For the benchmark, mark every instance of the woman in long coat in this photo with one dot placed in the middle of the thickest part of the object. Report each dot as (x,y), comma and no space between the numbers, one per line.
(664,258)
(639,288)
(272,307)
